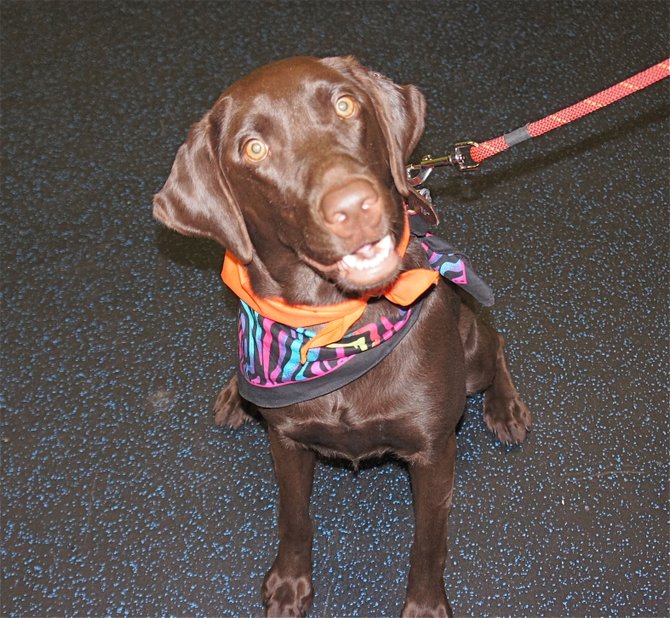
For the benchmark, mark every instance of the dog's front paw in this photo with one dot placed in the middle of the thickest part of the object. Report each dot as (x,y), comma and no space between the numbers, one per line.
(287,596)
(414,609)
(507,417)
(228,408)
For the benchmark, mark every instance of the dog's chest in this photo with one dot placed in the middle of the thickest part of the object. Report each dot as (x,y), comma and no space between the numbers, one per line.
(402,406)
(354,429)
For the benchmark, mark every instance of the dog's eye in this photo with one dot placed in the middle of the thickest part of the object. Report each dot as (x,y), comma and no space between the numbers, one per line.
(255,150)
(346,107)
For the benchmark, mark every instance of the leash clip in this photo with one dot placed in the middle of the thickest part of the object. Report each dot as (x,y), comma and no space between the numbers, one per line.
(462,158)
(459,158)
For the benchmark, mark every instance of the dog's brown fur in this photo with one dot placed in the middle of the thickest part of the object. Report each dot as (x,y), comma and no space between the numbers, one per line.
(290,217)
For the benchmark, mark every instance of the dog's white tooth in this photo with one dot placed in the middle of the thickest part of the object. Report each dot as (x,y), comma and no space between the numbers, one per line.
(377,254)
(367,252)
(386,243)
(352,261)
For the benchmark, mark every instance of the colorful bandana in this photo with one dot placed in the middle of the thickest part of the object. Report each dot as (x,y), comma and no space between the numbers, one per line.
(334,320)
(271,373)
(451,263)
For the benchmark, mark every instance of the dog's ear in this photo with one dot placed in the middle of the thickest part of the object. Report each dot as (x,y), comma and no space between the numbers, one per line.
(400,111)
(196,199)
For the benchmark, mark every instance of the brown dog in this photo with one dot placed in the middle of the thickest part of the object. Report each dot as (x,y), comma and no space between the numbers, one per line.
(299,171)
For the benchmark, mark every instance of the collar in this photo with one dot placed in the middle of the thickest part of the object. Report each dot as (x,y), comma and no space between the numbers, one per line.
(336,319)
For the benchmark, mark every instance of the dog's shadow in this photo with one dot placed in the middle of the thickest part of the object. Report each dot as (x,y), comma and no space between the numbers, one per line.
(200,253)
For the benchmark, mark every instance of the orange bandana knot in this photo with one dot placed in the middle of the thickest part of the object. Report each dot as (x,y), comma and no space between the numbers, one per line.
(337,319)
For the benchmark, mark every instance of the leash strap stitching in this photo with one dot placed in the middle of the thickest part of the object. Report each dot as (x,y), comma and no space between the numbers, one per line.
(637,82)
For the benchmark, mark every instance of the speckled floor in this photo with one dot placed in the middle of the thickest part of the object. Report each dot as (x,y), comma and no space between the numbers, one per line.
(120,497)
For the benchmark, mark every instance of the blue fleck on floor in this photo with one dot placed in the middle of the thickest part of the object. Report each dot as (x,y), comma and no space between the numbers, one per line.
(120,496)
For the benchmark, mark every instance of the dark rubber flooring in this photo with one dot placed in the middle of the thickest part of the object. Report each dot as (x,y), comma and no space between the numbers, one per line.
(120,497)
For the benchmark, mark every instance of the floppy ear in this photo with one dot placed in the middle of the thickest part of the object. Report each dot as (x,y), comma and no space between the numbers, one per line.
(400,111)
(196,199)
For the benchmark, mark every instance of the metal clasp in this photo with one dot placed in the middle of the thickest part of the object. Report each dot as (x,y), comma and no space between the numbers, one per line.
(462,158)
(459,157)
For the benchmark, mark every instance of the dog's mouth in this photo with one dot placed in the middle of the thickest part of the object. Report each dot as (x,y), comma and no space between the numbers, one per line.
(371,266)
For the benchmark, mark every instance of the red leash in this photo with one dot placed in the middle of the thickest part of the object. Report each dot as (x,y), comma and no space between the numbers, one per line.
(469,155)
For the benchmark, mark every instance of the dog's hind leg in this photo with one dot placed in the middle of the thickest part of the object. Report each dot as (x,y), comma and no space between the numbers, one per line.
(505,414)
(228,407)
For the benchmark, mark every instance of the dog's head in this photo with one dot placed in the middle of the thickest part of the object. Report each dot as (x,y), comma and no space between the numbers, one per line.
(301,163)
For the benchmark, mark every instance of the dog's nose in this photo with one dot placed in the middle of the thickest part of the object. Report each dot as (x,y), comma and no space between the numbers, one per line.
(350,207)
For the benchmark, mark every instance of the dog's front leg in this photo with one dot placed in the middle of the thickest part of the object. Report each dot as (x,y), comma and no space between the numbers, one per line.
(432,489)
(287,589)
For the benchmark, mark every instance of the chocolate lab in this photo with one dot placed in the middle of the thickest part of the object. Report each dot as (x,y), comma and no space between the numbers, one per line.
(349,345)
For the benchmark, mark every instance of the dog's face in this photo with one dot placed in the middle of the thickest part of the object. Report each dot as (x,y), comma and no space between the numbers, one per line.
(302,161)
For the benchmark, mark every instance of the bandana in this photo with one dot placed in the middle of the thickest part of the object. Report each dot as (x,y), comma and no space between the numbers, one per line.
(336,319)
(283,362)
(271,369)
